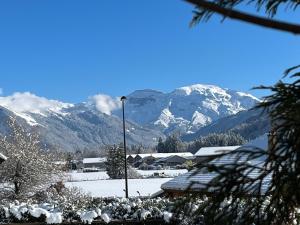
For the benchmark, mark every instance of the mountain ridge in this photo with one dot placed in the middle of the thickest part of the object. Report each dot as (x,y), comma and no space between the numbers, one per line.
(150,114)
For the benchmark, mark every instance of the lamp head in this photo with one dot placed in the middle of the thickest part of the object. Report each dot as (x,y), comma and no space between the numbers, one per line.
(123,98)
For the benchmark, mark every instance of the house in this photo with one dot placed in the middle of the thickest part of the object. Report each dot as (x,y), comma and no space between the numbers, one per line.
(148,160)
(94,163)
(205,153)
(137,159)
(130,159)
(2,158)
(195,180)
(172,161)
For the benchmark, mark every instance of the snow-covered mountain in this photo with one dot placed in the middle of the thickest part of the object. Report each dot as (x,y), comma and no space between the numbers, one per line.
(26,105)
(185,109)
(150,114)
(250,124)
(71,127)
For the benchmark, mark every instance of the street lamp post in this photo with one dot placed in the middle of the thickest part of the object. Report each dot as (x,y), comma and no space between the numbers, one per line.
(123,98)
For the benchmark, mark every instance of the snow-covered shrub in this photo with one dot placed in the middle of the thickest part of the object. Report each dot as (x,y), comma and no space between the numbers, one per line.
(102,209)
(132,173)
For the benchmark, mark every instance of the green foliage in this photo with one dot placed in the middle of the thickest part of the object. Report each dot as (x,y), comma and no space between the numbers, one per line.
(269,7)
(160,145)
(115,165)
(171,144)
(115,162)
(242,199)
(214,139)
(189,164)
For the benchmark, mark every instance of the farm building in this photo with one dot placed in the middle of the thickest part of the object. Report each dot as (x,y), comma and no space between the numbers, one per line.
(149,160)
(195,180)
(133,158)
(96,163)
(173,160)
(212,152)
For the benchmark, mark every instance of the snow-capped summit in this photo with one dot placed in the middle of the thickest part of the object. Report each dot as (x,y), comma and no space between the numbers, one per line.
(149,113)
(204,89)
(185,109)
(70,127)
(25,104)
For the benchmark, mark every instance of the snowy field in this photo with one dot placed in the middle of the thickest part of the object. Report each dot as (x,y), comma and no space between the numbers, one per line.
(76,176)
(171,173)
(79,176)
(109,188)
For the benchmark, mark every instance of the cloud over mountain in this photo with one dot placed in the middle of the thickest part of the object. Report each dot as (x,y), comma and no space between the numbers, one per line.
(28,102)
(150,114)
(105,103)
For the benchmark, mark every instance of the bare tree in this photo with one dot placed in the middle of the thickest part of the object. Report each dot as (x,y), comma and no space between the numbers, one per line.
(28,167)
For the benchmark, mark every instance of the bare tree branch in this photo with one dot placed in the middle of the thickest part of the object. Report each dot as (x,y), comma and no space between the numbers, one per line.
(257,20)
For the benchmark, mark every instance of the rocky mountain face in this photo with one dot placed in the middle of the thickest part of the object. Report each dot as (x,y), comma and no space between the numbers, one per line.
(97,122)
(186,109)
(71,127)
(250,124)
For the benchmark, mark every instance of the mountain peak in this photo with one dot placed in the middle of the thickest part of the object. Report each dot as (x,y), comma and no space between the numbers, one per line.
(145,93)
(200,89)
(26,103)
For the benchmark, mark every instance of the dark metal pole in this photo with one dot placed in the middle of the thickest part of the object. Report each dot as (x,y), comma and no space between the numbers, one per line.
(123,98)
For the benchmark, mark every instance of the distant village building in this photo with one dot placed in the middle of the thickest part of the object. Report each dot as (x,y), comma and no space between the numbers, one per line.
(173,161)
(137,157)
(94,163)
(194,181)
(158,159)
(2,158)
(205,153)
(148,160)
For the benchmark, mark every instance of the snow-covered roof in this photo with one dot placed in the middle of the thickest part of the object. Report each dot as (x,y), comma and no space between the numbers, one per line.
(162,155)
(2,157)
(172,157)
(192,179)
(195,180)
(94,160)
(259,142)
(208,151)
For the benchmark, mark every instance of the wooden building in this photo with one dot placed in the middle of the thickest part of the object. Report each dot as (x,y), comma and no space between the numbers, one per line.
(94,163)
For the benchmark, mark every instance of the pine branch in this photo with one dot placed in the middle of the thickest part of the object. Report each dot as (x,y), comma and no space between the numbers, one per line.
(257,20)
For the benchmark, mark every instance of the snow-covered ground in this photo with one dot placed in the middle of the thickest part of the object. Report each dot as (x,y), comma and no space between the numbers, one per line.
(171,173)
(109,188)
(79,176)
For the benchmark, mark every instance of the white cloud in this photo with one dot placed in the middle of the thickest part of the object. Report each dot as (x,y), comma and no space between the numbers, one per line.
(105,103)
(29,103)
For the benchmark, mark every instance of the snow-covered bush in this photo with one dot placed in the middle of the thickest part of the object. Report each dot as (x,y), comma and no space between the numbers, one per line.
(190,210)
(100,209)
(132,173)
(112,209)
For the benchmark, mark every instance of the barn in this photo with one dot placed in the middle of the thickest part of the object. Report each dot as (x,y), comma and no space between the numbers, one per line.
(94,163)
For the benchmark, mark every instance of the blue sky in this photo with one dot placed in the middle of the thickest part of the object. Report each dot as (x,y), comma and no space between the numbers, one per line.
(69,49)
